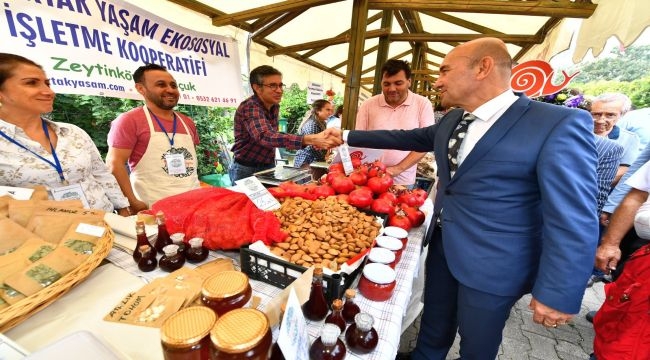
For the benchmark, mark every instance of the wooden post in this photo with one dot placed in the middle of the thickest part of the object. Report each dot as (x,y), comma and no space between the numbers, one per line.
(382,50)
(355,62)
(416,64)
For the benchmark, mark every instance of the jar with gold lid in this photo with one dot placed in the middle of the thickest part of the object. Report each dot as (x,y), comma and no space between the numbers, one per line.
(185,335)
(225,291)
(241,334)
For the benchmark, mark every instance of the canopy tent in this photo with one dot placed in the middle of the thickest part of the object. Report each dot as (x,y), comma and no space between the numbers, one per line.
(341,43)
(623,19)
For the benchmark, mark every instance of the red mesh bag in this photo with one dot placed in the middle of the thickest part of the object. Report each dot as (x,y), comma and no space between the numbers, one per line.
(225,219)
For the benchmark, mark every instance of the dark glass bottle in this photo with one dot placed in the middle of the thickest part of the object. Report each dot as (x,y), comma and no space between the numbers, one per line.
(315,308)
(147,260)
(141,239)
(328,346)
(178,239)
(172,260)
(276,352)
(350,308)
(163,238)
(361,337)
(336,317)
(196,252)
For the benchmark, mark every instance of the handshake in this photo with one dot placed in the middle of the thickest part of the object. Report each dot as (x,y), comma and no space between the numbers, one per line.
(328,139)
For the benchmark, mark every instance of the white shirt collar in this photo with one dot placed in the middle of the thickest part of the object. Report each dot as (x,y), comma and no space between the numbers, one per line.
(495,107)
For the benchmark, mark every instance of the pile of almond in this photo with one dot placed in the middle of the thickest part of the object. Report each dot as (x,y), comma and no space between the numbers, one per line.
(325,231)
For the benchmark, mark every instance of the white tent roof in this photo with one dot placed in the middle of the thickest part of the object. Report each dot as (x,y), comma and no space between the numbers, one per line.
(306,39)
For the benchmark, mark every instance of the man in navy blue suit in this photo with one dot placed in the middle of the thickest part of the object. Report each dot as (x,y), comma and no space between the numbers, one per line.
(517,216)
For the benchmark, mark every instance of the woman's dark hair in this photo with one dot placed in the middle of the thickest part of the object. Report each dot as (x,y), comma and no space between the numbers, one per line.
(9,62)
(316,106)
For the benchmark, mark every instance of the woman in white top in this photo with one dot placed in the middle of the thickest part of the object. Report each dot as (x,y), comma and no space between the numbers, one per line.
(37,151)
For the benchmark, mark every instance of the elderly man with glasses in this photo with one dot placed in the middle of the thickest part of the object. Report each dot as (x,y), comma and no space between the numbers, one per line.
(256,127)
(606,110)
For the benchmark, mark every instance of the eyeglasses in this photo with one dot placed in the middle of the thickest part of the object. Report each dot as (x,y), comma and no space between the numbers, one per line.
(275,86)
(607,115)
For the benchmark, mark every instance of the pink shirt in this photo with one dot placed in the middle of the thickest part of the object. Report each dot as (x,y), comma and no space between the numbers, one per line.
(375,114)
(131,131)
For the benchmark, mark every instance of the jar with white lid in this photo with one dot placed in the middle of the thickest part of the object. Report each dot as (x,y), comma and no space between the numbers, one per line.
(381,256)
(393,244)
(398,233)
(377,282)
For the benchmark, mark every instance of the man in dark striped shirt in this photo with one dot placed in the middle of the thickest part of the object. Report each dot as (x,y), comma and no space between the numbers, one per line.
(609,157)
(256,127)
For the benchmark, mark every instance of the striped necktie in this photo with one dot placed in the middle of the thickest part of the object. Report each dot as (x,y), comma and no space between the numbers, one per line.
(456,140)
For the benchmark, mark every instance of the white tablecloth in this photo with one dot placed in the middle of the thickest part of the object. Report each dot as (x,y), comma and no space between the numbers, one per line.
(84,307)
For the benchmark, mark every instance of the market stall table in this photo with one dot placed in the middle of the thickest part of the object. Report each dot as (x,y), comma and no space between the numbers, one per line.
(84,307)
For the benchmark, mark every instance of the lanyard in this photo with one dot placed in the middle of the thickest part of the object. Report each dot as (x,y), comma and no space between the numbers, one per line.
(171,139)
(56,164)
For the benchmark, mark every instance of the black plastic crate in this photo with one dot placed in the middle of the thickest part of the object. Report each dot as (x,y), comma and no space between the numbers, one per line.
(281,274)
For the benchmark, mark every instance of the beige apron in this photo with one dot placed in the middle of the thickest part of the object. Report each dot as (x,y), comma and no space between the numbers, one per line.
(150,179)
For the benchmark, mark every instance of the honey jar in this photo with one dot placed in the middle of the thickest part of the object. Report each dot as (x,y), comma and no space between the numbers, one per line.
(377,282)
(392,244)
(398,233)
(241,334)
(225,291)
(382,256)
(185,334)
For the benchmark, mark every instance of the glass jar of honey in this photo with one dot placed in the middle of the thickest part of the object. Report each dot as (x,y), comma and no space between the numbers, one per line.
(377,282)
(185,335)
(241,334)
(226,291)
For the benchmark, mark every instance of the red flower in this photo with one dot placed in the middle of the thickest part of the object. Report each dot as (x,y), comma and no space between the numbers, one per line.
(330,92)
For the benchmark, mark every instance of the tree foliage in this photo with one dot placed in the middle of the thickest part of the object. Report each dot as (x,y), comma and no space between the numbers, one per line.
(94,114)
(625,71)
(631,64)
(294,106)
(91,113)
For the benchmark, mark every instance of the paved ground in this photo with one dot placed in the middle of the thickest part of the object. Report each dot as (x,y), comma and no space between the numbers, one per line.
(525,340)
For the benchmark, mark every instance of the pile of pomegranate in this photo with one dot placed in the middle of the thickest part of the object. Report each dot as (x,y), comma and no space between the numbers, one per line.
(368,187)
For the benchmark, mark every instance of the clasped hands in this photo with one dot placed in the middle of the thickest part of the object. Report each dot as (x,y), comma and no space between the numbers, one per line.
(328,139)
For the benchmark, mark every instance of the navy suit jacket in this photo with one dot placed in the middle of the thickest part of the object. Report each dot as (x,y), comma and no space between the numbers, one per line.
(519,215)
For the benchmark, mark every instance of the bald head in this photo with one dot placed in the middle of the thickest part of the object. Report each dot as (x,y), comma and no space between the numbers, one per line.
(474,72)
(489,47)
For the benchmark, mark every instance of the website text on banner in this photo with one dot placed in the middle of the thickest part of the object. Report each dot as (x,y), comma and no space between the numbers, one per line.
(91,47)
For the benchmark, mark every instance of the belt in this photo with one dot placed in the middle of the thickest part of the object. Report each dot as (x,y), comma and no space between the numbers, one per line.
(250,163)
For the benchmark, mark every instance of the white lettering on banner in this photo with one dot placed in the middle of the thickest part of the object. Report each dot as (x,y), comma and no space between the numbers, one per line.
(92,47)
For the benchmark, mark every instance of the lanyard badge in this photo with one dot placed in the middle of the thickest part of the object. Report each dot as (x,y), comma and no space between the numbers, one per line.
(56,164)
